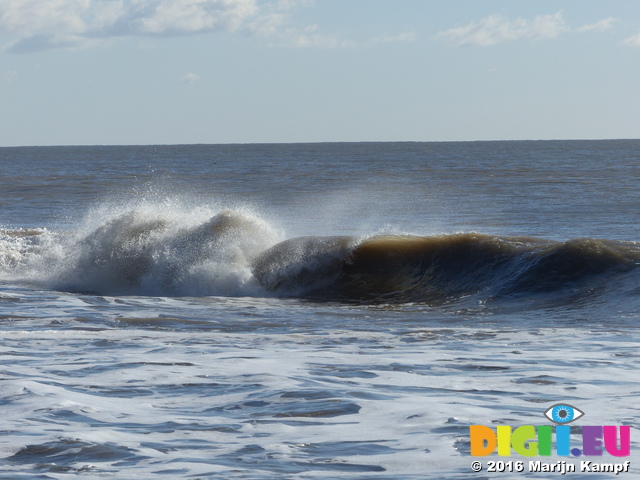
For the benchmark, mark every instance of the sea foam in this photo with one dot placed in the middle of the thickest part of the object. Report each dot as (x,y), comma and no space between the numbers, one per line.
(146,249)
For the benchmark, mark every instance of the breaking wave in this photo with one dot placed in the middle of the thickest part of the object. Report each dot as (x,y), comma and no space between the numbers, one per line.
(181,252)
(143,250)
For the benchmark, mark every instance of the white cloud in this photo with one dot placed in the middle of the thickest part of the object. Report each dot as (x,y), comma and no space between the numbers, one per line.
(8,76)
(497,29)
(37,25)
(407,37)
(174,17)
(633,41)
(34,17)
(309,37)
(189,78)
(42,24)
(601,26)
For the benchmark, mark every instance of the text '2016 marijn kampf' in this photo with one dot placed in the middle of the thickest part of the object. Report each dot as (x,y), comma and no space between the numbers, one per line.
(584,466)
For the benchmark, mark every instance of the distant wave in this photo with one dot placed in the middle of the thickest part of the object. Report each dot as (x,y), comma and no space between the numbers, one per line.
(169,251)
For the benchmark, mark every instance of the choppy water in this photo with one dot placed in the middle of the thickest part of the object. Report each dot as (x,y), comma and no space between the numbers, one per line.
(162,318)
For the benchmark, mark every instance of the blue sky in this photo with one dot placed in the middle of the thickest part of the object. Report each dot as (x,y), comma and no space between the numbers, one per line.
(250,71)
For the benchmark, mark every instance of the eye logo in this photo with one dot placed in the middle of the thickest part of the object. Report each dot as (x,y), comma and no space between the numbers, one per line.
(562,413)
(531,440)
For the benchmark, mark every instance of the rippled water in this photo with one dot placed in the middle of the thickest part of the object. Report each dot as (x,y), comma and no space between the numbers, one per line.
(243,383)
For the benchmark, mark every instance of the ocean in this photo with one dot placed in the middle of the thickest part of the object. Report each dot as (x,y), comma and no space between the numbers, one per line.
(312,311)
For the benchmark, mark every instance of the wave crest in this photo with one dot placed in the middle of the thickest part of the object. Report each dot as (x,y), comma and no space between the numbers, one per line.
(179,252)
(439,269)
(146,252)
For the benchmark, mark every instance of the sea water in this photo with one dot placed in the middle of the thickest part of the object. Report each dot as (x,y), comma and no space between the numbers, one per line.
(142,338)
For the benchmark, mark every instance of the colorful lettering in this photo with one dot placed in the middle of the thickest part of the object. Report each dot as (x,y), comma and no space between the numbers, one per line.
(531,441)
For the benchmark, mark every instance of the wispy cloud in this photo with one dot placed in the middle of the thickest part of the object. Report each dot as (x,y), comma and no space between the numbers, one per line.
(633,41)
(309,37)
(406,37)
(496,29)
(38,25)
(189,78)
(8,76)
(601,26)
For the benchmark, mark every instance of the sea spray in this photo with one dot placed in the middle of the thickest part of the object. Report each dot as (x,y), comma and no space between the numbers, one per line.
(144,249)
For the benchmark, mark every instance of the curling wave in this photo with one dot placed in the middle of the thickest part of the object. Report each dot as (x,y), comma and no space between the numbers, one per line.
(233,252)
(438,269)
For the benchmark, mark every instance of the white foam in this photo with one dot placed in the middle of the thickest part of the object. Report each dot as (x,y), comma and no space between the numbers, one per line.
(145,247)
(162,395)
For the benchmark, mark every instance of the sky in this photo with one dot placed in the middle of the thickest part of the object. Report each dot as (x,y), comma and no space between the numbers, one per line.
(118,72)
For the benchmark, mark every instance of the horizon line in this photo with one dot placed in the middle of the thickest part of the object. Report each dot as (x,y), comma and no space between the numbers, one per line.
(62,145)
